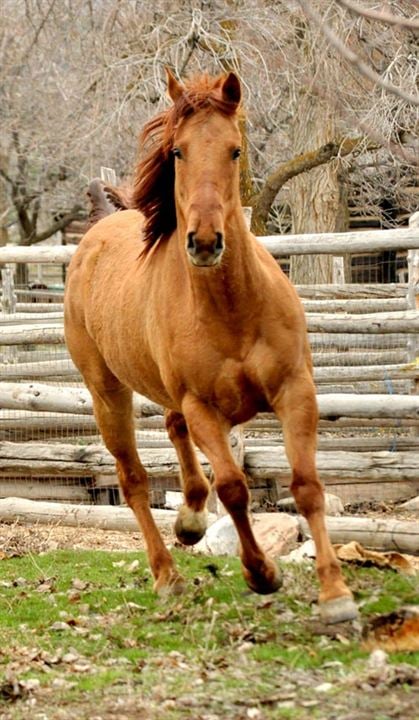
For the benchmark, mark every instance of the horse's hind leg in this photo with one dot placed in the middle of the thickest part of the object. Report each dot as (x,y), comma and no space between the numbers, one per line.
(112,404)
(297,409)
(191,522)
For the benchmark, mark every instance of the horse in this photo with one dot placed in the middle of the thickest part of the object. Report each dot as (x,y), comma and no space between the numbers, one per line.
(175,299)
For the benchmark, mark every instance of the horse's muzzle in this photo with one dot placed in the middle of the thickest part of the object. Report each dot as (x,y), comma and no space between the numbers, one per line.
(204,253)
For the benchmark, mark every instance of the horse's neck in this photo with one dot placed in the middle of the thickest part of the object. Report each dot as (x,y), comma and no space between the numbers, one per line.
(233,288)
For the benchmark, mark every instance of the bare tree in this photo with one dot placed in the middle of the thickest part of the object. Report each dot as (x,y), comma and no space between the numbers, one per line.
(80,79)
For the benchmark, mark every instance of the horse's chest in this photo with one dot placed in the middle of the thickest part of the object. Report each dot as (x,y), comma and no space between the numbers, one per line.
(236,392)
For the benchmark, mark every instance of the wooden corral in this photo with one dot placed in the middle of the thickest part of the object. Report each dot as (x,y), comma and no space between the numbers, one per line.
(365,349)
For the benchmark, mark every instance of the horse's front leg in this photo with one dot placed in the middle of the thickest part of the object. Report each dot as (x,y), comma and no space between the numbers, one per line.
(192,519)
(296,408)
(210,433)
(114,415)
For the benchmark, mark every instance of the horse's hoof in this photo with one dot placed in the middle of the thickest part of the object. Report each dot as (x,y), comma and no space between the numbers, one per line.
(264,583)
(338,610)
(190,526)
(172,584)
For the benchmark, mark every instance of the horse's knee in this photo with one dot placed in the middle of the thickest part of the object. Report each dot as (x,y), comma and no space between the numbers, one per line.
(233,493)
(133,482)
(308,492)
(175,424)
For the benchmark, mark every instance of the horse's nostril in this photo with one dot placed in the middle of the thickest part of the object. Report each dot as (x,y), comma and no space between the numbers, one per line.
(219,243)
(191,244)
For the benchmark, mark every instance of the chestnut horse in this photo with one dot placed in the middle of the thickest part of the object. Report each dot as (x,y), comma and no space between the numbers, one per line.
(175,299)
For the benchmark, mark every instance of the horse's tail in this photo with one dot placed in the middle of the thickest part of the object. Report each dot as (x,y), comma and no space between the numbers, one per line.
(100,205)
(105,200)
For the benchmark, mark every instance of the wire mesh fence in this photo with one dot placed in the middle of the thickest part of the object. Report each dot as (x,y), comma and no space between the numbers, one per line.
(361,363)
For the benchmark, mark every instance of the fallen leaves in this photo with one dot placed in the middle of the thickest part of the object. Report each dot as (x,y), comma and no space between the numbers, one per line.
(397,631)
(355,552)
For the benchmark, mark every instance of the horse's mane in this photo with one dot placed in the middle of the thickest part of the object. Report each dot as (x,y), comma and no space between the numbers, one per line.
(153,192)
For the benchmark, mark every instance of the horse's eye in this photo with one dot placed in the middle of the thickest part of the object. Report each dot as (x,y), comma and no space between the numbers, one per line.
(236,153)
(177,153)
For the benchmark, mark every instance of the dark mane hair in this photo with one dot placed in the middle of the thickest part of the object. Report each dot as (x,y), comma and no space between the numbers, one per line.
(153,192)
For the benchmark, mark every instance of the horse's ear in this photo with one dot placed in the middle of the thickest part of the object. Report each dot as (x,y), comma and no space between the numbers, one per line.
(174,88)
(230,89)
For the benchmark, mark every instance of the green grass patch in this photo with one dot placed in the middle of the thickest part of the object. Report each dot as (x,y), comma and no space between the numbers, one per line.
(85,622)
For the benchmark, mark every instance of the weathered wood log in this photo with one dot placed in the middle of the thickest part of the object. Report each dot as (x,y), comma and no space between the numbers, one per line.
(65,368)
(56,254)
(40,369)
(376,406)
(397,322)
(369,387)
(43,307)
(326,358)
(265,462)
(32,335)
(376,323)
(37,396)
(375,533)
(278,246)
(56,490)
(40,396)
(28,319)
(338,466)
(269,422)
(341,243)
(97,516)
(355,342)
(354,291)
(389,442)
(355,306)
(399,371)
(43,397)
(45,312)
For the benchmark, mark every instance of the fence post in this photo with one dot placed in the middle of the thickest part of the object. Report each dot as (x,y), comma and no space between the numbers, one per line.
(8,307)
(9,295)
(413,304)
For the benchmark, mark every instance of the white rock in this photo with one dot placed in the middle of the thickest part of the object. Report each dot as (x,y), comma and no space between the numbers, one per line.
(412,504)
(333,504)
(324,687)
(173,499)
(275,533)
(377,659)
(220,538)
(305,553)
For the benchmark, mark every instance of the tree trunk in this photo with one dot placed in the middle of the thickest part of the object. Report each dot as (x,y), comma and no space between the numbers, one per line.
(4,203)
(317,198)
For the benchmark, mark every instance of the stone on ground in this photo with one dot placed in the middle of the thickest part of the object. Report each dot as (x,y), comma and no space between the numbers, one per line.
(276,533)
(412,504)
(334,505)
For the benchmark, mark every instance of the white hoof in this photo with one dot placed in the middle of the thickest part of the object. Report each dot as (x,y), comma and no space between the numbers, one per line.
(338,610)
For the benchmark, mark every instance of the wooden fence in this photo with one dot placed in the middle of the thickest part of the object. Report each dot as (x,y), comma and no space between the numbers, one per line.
(365,348)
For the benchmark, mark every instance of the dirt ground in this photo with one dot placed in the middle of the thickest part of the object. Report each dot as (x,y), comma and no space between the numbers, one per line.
(17,539)
(371,689)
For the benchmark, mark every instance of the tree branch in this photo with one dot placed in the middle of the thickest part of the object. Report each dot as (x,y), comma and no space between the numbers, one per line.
(353,58)
(76,213)
(262,202)
(380,15)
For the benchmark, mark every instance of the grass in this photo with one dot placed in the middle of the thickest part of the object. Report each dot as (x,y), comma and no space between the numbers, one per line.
(87,623)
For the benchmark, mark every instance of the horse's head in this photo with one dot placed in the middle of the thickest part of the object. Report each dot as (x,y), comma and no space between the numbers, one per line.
(206,145)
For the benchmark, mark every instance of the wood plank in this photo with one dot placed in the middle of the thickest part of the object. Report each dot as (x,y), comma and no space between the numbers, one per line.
(262,463)
(341,243)
(377,533)
(99,516)
(43,397)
